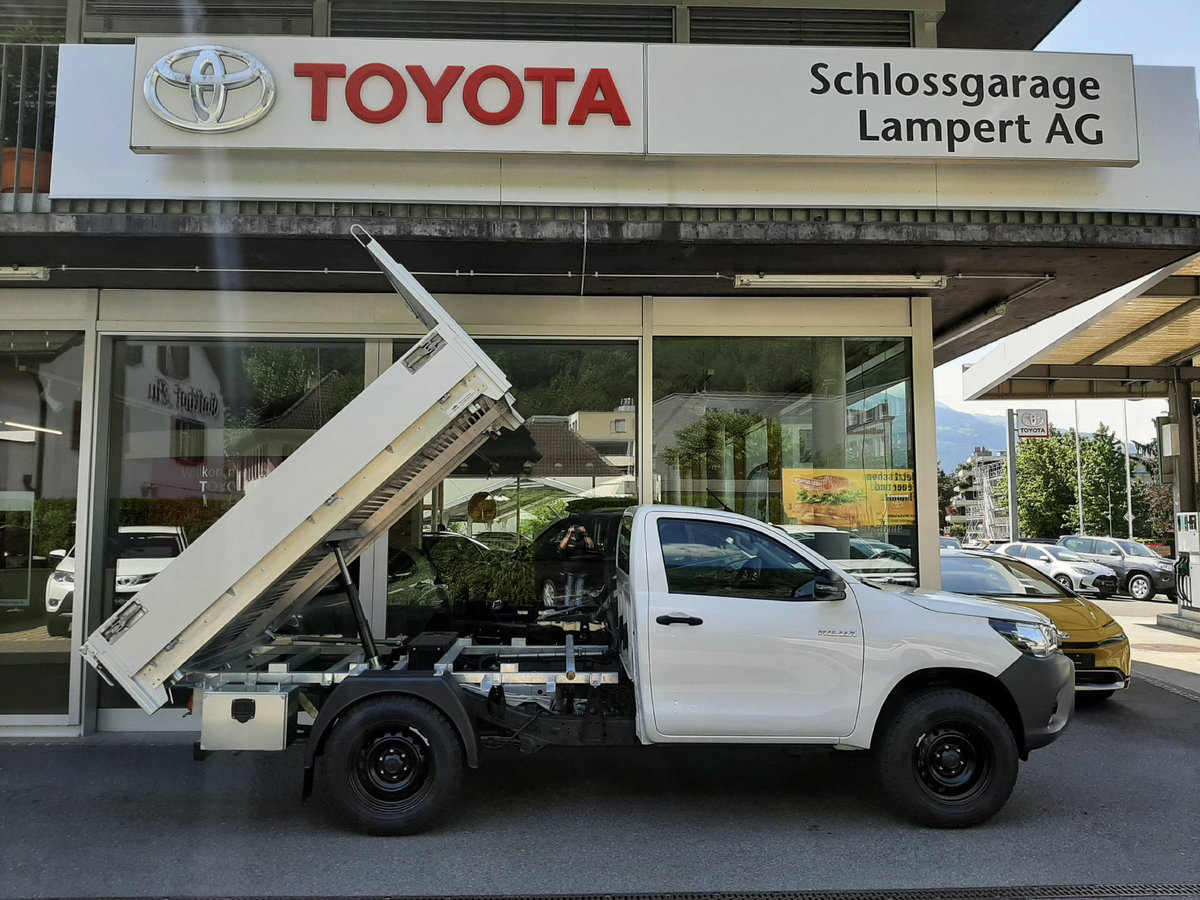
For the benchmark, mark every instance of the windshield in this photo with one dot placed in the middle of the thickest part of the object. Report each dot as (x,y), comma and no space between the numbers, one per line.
(1063,553)
(146,546)
(1133,548)
(991,576)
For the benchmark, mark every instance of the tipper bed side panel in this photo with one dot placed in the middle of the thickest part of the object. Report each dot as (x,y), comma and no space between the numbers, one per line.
(357,475)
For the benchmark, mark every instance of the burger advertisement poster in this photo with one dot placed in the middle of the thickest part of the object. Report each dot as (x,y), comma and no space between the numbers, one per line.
(849,498)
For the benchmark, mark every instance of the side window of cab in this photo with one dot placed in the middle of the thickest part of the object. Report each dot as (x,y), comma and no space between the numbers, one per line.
(719,559)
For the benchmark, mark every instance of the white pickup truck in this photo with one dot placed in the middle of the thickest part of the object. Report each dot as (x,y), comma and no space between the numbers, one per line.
(721,629)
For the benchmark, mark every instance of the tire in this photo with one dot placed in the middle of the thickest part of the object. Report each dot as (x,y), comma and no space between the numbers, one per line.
(58,626)
(1140,586)
(946,759)
(549,593)
(393,765)
(1065,581)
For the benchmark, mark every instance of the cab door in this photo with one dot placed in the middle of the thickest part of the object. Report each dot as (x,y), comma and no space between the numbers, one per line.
(737,644)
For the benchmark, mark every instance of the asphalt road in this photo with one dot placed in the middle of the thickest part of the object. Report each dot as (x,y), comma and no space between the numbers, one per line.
(1115,801)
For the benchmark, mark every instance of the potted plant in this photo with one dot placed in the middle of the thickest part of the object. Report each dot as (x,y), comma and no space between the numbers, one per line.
(29,82)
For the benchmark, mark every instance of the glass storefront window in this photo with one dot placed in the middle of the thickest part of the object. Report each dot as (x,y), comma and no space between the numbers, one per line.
(194,425)
(811,434)
(40,403)
(574,457)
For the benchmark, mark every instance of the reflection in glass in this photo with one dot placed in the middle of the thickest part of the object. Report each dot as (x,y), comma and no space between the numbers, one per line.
(40,402)
(194,426)
(576,452)
(810,434)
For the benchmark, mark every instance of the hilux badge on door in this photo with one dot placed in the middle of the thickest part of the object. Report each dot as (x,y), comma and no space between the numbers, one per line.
(215,75)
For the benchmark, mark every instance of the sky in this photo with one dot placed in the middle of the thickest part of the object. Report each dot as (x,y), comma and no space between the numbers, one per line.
(1155,33)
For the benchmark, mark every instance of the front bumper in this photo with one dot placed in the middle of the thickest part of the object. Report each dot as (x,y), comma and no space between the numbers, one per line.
(1043,689)
(1103,666)
(1103,585)
(1164,581)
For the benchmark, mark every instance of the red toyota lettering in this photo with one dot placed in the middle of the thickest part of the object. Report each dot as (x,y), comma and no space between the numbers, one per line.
(320,73)
(434,92)
(599,96)
(516,95)
(389,110)
(549,79)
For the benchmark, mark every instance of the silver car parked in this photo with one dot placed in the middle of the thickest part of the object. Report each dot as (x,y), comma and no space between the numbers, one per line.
(1066,567)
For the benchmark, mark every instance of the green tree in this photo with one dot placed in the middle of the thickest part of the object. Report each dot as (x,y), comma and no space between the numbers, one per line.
(946,485)
(1046,484)
(1153,503)
(1103,460)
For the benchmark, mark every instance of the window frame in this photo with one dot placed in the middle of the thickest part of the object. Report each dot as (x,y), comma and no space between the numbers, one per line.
(814,566)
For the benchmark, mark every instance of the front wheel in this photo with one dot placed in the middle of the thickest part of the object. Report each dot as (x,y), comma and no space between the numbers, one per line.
(394,766)
(1140,587)
(549,593)
(947,759)
(1065,581)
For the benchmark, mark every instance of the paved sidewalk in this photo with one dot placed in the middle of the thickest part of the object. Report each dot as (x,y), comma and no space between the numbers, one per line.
(1160,655)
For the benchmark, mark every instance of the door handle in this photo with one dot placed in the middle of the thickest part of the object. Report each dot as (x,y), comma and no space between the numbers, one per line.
(679,620)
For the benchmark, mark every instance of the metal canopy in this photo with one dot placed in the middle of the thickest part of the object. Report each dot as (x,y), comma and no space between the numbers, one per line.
(1005,271)
(1132,342)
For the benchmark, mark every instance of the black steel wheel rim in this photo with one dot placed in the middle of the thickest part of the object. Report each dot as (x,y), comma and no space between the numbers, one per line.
(953,761)
(394,764)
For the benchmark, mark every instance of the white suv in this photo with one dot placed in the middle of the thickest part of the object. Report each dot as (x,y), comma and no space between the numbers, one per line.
(142,552)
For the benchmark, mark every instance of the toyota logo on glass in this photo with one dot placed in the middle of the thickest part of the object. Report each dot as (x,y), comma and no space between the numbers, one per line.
(229,90)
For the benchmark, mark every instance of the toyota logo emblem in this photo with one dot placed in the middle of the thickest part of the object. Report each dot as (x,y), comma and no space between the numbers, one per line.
(216,83)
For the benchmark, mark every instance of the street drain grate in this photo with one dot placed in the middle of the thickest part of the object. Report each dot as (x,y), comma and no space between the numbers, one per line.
(1053,892)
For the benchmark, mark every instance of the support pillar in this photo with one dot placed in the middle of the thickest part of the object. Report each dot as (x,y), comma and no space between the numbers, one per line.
(1179,404)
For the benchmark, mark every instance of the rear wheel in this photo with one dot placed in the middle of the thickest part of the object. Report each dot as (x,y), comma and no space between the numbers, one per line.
(393,765)
(549,593)
(1140,587)
(947,759)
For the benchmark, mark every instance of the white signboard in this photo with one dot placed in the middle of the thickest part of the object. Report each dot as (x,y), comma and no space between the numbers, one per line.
(666,100)
(895,104)
(351,94)
(1032,423)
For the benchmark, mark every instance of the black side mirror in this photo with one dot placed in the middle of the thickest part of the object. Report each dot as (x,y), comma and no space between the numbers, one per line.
(824,586)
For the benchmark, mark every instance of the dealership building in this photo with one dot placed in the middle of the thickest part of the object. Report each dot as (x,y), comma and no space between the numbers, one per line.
(718,248)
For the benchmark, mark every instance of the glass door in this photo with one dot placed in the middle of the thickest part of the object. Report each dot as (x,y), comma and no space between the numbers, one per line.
(41,375)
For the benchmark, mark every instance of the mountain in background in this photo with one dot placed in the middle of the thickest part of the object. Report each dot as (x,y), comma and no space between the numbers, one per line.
(959,433)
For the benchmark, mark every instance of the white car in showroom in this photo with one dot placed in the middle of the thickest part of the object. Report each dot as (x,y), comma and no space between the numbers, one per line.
(1066,567)
(142,552)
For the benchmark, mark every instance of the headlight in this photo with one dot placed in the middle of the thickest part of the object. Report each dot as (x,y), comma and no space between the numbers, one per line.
(1166,566)
(1034,639)
(131,580)
(1081,570)
(63,577)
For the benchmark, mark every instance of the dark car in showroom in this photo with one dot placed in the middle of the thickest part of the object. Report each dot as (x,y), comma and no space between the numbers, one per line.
(416,590)
(552,563)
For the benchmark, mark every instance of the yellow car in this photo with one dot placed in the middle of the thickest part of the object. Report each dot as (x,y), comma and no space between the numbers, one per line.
(1090,638)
